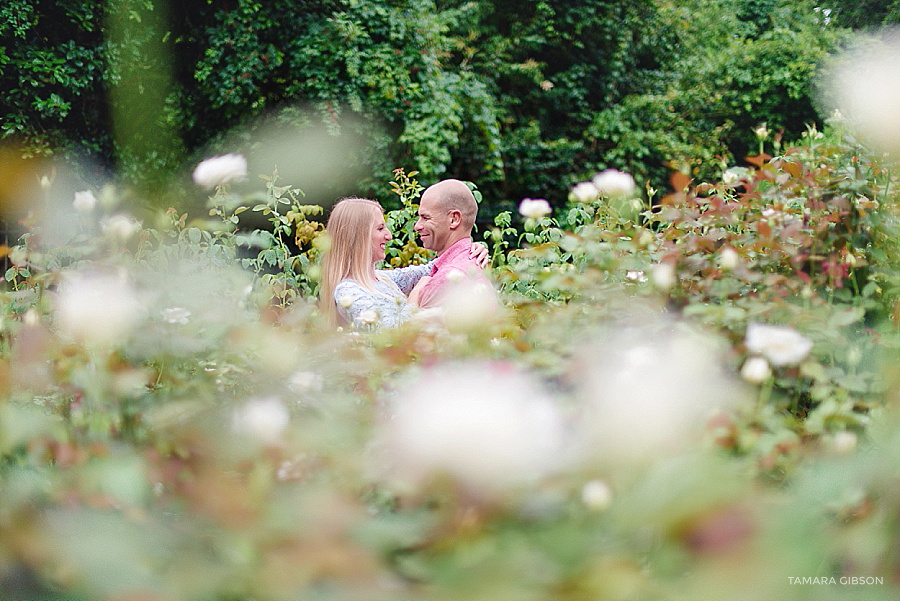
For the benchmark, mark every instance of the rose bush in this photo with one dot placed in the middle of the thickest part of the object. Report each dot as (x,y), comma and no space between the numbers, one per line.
(680,398)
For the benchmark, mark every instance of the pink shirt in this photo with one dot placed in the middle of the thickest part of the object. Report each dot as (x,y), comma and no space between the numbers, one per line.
(455,258)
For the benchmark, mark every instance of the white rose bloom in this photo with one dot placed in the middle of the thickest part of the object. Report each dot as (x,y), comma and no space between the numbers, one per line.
(368,317)
(756,370)
(728,258)
(345,301)
(664,276)
(635,276)
(263,418)
(647,392)
(534,208)
(596,495)
(220,170)
(305,381)
(177,315)
(97,308)
(18,256)
(844,441)
(584,192)
(780,345)
(85,201)
(612,183)
(120,227)
(470,305)
(488,425)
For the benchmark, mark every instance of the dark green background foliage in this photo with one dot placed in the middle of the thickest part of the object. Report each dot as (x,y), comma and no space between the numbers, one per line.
(525,98)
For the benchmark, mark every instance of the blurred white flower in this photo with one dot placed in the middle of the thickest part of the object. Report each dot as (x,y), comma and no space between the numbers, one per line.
(120,227)
(866,84)
(345,301)
(84,202)
(305,381)
(612,183)
(663,275)
(730,177)
(648,391)
(546,85)
(844,441)
(596,495)
(756,370)
(31,317)
(46,182)
(470,305)
(263,418)
(18,256)
(780,345)
(368,317)
(584,192)
(97,308)
(177,315)
(534,208)
(488,425)
(728,258)
(635,276)
(220,170)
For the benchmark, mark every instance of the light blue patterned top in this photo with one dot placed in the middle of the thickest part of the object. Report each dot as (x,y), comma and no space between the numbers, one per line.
(368,310)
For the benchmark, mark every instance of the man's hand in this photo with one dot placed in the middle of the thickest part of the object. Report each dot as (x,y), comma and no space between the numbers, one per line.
(480,253)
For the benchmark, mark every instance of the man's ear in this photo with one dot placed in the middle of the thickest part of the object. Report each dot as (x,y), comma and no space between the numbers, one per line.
(455,218)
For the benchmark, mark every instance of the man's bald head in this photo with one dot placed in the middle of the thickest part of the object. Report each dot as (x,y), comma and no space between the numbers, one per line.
(452,194)
(447,214)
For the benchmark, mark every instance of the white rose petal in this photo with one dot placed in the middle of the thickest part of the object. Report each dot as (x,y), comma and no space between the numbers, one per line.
(612,183)
(85,201)
(220,170)
(534,208)
(756,370)
(780,345)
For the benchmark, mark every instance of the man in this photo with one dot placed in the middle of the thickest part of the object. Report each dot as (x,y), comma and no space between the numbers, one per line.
(447,214)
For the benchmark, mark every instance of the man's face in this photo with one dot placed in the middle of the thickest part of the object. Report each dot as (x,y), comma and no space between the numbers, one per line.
(433,225)
(380,237)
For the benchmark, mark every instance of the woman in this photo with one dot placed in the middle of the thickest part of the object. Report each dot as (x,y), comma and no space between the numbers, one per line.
(353,292)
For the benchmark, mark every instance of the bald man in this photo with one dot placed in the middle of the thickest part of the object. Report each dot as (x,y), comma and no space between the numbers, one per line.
(447,214)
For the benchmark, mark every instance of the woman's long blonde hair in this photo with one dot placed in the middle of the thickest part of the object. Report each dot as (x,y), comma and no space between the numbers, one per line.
(349,230)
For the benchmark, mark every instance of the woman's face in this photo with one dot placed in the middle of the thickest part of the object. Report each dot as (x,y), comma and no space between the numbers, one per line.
(380,236)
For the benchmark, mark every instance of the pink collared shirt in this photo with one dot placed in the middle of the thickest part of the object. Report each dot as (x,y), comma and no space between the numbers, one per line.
(455,258)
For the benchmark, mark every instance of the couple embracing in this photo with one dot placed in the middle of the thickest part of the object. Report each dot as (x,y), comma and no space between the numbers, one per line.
(355,294)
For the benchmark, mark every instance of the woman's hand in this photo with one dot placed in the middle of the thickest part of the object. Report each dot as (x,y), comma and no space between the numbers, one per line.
(480,253)
(417,289)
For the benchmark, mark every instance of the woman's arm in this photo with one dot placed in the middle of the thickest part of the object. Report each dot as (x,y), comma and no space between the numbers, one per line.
(407,277)
(366,310)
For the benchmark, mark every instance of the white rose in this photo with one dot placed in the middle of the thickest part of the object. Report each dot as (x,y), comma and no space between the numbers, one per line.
(584,192)
(534,208)
(487,425)
(263,418)
(220,170)
(612,183)
(780,345)
(97,308)
(85,201)
(664,276)
(368,317)
(596,495)
(756,370)
(345,301)
(728,258)
(120,227)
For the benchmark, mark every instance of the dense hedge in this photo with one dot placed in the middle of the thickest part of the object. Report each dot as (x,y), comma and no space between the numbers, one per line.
(522,97)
